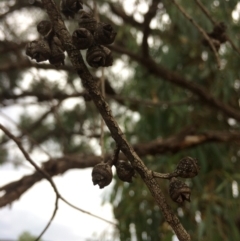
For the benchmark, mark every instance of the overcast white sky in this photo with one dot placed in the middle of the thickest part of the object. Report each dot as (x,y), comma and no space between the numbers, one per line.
(32,212)
(34,209)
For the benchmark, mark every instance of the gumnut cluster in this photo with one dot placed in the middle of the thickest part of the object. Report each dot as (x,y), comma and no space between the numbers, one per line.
(125,171)
(70,7)
(91,35)
(187,168)
(218,35)
(94,36)
(102,172)
(178,190)
(48,47)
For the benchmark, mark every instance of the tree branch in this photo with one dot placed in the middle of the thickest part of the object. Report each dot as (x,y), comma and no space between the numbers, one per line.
(16,191)
(51,219)
(146,27)
(187,138)
(201,30)
(119,11)
(103,108)
(214,22)
(173,77)
(25,64)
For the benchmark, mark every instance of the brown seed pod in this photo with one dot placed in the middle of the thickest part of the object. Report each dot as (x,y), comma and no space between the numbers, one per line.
(57,55)
(125,171)
(102,174)
(86,20)
(55,40)
(70,7)
(109,58)
(187,167)
(219,32)
(38,50)
(179,191)
(218,36)
(98,56)
(104,34)
(82,38)
(45,28)
(57,52)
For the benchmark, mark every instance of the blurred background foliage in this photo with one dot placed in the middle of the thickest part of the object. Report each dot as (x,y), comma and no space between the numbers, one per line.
(26,236)
(52,112)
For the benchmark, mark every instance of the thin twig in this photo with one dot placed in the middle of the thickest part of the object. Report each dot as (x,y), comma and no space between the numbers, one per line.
(102,79)
(163,175)
(214,22)
(51,219)
(201,30)
(25,132)
(88,213)
(95,11)
(206,12)
(45,174)
(38,169)
(28,158)
(115,156)
(150,103)
(119,98)
(175,78)
(150,14)
(63,140)
(102,84)
(234,46)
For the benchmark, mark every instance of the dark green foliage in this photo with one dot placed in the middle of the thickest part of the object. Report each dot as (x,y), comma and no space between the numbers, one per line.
(26,236)
(212,213)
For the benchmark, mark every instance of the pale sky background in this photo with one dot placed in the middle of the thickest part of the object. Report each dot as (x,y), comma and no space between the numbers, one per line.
(34,209)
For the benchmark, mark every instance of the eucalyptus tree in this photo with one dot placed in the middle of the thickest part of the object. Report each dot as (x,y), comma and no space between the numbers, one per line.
(170,75)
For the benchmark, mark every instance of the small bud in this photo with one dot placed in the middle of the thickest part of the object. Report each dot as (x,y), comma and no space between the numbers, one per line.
(219,30)
(45,28)
(99,56)
(187,167)
(38,50)
(87,21)
(70,7)
(108,56)
(125,171)
(218,36)
(102,174)
(179,191)
(104,34)
(82,38)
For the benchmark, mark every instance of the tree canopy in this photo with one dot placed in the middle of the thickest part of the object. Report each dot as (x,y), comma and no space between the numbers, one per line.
(173,88)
